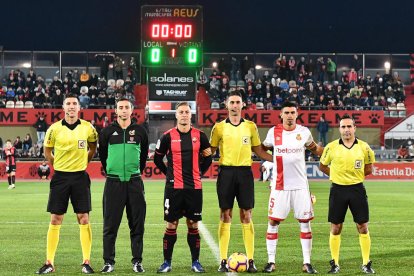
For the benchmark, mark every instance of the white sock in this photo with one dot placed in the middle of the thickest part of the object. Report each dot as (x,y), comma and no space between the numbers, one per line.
(306,241)
(271,242)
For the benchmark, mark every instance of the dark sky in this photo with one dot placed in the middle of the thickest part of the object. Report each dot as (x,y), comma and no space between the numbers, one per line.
(262,26)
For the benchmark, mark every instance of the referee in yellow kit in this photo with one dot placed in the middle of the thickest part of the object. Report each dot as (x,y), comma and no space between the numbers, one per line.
(236,138)
(69,145)
(349,160)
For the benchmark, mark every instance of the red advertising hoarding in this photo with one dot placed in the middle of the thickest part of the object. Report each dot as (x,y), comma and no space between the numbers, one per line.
(309,118)
(381,171)
(25,116)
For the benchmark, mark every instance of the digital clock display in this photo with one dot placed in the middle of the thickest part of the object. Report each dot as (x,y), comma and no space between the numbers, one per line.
(171,36)
(174,31)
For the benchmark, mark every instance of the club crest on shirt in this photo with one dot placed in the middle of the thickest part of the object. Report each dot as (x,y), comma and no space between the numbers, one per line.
(358,164)
(270,212)
(194,139)
(81,144)
(132,132)
(298,137)
(245,140)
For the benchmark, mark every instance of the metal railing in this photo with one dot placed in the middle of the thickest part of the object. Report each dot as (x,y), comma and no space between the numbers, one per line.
(51,63)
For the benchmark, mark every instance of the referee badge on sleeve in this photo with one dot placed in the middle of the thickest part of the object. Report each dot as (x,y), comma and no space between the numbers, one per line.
(358,164)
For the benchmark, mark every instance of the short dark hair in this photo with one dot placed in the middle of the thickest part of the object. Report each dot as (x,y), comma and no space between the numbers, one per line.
(123,99)
(71,95)
(235,93)
(347,116)
(289,104)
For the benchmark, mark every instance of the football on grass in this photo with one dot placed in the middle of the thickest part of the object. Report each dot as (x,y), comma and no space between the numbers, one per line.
(237,262)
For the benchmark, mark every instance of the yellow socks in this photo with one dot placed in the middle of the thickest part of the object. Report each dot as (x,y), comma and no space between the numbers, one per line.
(248,239)
(334,245)
(52,242)
(365,243)
(224,239)
(86,241)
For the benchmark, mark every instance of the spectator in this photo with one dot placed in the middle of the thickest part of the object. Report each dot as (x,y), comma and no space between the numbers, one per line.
(202,80)
(18,145)
(331,70)
(292,68)
(104,60)
(84,79)
(84,99)
(352,77)
(36,151)
(44,170)
(235,69)
(133,70)
(118,67)
(410,150)
(130,96)
(322,128)
(41,128)
(27,144)
(39,99)
(106,122)
(10,94)
(249,77)
(402,153)
(102,99)
(93,102)
(321,69)
(56,83)
(57,99)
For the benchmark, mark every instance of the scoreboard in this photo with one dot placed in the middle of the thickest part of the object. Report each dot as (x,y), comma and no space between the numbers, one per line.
(171,36)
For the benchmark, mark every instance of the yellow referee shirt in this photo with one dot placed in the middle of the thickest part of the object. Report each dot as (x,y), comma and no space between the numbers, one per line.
(70,145)
(347,164)
(235,142)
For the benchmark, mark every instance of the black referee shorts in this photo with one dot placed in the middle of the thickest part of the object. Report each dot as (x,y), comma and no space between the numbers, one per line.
(342,196)
(180,203)
(73,185)
(235,182)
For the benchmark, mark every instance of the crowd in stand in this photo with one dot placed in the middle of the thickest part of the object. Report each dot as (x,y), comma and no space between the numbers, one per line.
(93,91)
(308,83)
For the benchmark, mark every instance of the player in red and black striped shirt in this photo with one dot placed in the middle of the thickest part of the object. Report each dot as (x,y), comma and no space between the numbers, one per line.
(188,158)
(10,156)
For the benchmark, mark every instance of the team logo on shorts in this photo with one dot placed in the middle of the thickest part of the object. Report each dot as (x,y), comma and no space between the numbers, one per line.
(358,164)
(132,132)
(298,137)
(166,206)
(81,144)
(245,140)
(194,139)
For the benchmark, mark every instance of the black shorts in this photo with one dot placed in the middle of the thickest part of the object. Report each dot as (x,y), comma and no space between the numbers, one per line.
(11,168)
(180,203)
(342,196)
(235,182)
(73,185)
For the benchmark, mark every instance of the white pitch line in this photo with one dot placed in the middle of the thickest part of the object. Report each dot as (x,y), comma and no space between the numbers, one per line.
(210,240)
(211,243)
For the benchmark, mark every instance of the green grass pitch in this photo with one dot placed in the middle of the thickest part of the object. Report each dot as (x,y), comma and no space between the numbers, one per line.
(24,223)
